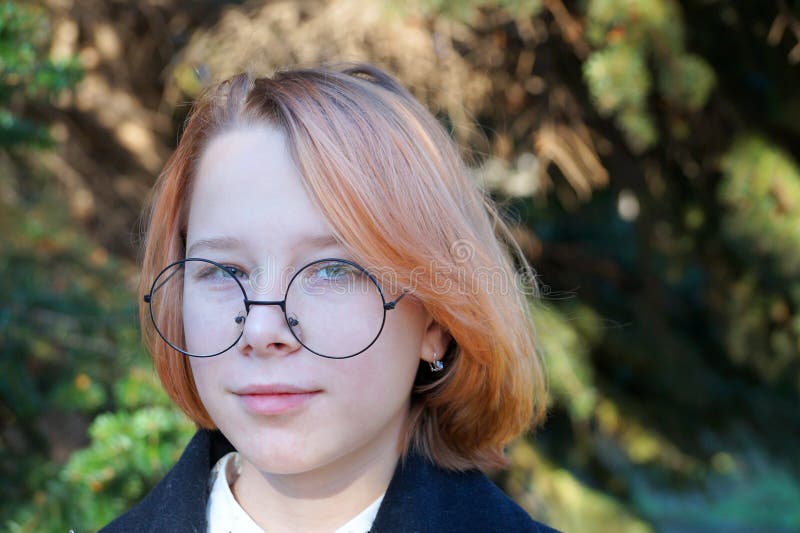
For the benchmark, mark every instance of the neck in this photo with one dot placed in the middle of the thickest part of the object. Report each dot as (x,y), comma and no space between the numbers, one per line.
(324,498)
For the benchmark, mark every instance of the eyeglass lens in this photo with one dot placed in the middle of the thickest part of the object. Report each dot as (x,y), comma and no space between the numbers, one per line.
(334,308)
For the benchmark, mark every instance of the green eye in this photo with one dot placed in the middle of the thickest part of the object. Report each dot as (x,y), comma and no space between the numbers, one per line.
(336,271)
(233,271)
(212,272)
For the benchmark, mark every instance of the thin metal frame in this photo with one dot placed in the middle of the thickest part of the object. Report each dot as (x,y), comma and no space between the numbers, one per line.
(387,306)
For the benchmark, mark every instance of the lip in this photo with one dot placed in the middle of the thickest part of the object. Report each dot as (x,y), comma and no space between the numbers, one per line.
(274,398)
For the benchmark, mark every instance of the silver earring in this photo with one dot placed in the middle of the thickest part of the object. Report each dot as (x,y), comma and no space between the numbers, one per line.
(436,366)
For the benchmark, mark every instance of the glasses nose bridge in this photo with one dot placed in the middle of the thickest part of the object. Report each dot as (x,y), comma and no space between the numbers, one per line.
(280,303)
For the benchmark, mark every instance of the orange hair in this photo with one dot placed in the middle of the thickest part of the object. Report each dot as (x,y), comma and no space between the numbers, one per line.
(392,184)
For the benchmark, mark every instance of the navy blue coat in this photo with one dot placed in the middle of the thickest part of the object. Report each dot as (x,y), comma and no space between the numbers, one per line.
(420,498)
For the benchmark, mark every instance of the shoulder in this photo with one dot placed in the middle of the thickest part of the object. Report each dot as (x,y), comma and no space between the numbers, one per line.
(178,501)
(423,497)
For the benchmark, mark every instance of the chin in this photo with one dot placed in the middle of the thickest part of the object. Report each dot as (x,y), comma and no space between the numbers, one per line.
(275,455)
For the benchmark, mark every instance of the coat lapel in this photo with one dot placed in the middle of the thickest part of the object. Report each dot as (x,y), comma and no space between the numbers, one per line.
(424,498)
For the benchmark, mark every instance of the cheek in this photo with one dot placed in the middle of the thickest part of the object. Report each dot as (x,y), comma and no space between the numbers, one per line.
(384,374)
(366,396)
(207,374)
(210,330)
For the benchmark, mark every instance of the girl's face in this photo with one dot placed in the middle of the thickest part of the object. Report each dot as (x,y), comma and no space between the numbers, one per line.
(249,210)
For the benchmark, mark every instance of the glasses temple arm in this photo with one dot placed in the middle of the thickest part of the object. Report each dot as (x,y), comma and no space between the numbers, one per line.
(391,305)
(154,289)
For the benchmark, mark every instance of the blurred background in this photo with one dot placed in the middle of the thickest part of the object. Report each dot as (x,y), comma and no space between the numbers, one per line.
(646,152)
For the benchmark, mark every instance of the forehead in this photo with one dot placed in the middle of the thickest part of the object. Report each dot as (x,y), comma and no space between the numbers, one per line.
(248,189)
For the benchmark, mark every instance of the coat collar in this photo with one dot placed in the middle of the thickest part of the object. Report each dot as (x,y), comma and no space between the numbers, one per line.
(420,496)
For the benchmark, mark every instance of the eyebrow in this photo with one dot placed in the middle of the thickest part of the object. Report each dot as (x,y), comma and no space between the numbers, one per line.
(214,243)
(231,243)
(318,241)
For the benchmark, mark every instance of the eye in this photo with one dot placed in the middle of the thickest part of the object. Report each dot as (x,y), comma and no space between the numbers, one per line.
(334,271)
(211,272)
(234,271)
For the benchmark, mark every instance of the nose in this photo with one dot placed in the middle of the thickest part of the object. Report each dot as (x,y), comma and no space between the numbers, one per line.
(266,331)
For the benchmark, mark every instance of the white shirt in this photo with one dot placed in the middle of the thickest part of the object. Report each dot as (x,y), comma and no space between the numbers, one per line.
(225,515)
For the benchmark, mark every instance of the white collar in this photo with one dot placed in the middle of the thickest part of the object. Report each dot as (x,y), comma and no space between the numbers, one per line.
(224,514)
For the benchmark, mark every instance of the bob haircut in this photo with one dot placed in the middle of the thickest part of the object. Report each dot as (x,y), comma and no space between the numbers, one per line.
(390,180)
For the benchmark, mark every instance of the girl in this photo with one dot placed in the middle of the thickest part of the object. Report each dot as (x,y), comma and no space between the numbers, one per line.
(326,296)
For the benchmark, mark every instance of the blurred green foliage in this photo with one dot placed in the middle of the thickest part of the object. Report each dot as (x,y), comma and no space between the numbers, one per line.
(70,352)
(68,337)
(567,356)
(761,191)
(26,72)
(129,451)
(636,42)
(465,10)
(761,194)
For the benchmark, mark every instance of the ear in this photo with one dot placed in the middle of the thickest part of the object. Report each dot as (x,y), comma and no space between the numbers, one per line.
(435,339)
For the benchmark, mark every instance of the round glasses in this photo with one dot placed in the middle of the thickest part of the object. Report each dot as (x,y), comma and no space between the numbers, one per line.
(333,307)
